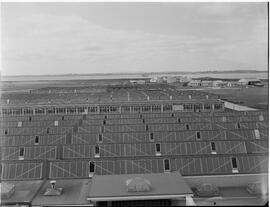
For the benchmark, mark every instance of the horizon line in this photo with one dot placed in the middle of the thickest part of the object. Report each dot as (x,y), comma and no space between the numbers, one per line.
(127,73)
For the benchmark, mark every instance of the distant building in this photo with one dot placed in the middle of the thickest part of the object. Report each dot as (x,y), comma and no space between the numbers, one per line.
(176,79)
(164,78)
(218,83)
(249,81)
(232,84)
(207,83)
(156,80)
(137,81)
(153,80)
(184,79)
(160,79)
(194,83)
(172,79)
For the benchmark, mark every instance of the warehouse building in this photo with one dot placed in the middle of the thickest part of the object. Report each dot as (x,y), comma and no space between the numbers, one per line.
(132,147)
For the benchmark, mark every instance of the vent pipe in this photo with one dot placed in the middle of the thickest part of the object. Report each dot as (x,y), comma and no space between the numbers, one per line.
(53,183)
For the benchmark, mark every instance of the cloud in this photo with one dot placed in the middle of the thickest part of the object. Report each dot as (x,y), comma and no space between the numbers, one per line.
(38,43)
(74,37)
(217,9)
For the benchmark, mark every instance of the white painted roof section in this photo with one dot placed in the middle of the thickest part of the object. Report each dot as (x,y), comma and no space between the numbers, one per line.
(237,107)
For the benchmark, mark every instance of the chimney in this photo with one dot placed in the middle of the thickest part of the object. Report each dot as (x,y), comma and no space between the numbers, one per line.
(170,97)
(53,183)
(206,96)
(53,191)
(189,96)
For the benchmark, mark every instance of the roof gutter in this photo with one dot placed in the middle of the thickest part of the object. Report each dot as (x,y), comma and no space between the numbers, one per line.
(149,197)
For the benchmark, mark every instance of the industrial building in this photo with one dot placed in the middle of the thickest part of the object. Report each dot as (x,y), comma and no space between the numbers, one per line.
(131,146)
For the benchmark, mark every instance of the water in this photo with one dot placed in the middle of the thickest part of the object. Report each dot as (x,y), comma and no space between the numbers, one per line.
(259,75)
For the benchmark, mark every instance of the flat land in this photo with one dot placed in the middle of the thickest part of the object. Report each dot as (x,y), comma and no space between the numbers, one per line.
(256,97)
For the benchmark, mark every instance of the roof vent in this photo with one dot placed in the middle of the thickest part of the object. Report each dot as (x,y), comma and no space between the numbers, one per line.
(261,118)
(207,190)
(138,184)
(7,190)
(170,97)
(53,191)
(223,118)
(85,111)
(19,124)
(206,96)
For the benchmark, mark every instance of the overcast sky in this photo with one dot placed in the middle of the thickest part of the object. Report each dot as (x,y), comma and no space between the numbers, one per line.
(51,38)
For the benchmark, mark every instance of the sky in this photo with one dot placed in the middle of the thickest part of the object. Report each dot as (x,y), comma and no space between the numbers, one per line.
(60,38)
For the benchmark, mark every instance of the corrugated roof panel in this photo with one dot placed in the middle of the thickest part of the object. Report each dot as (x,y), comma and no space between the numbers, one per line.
(28,170)
(259,146)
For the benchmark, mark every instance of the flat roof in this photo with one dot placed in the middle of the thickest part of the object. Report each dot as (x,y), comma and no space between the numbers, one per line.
(75,192)
(24,191)
(233,196)
(163,186)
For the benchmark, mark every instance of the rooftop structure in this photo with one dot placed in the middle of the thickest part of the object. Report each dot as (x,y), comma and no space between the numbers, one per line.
(75,192)
(163,186)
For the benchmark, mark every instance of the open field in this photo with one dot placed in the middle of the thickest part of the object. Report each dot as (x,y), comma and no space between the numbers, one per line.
(253,97)
(22,86)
